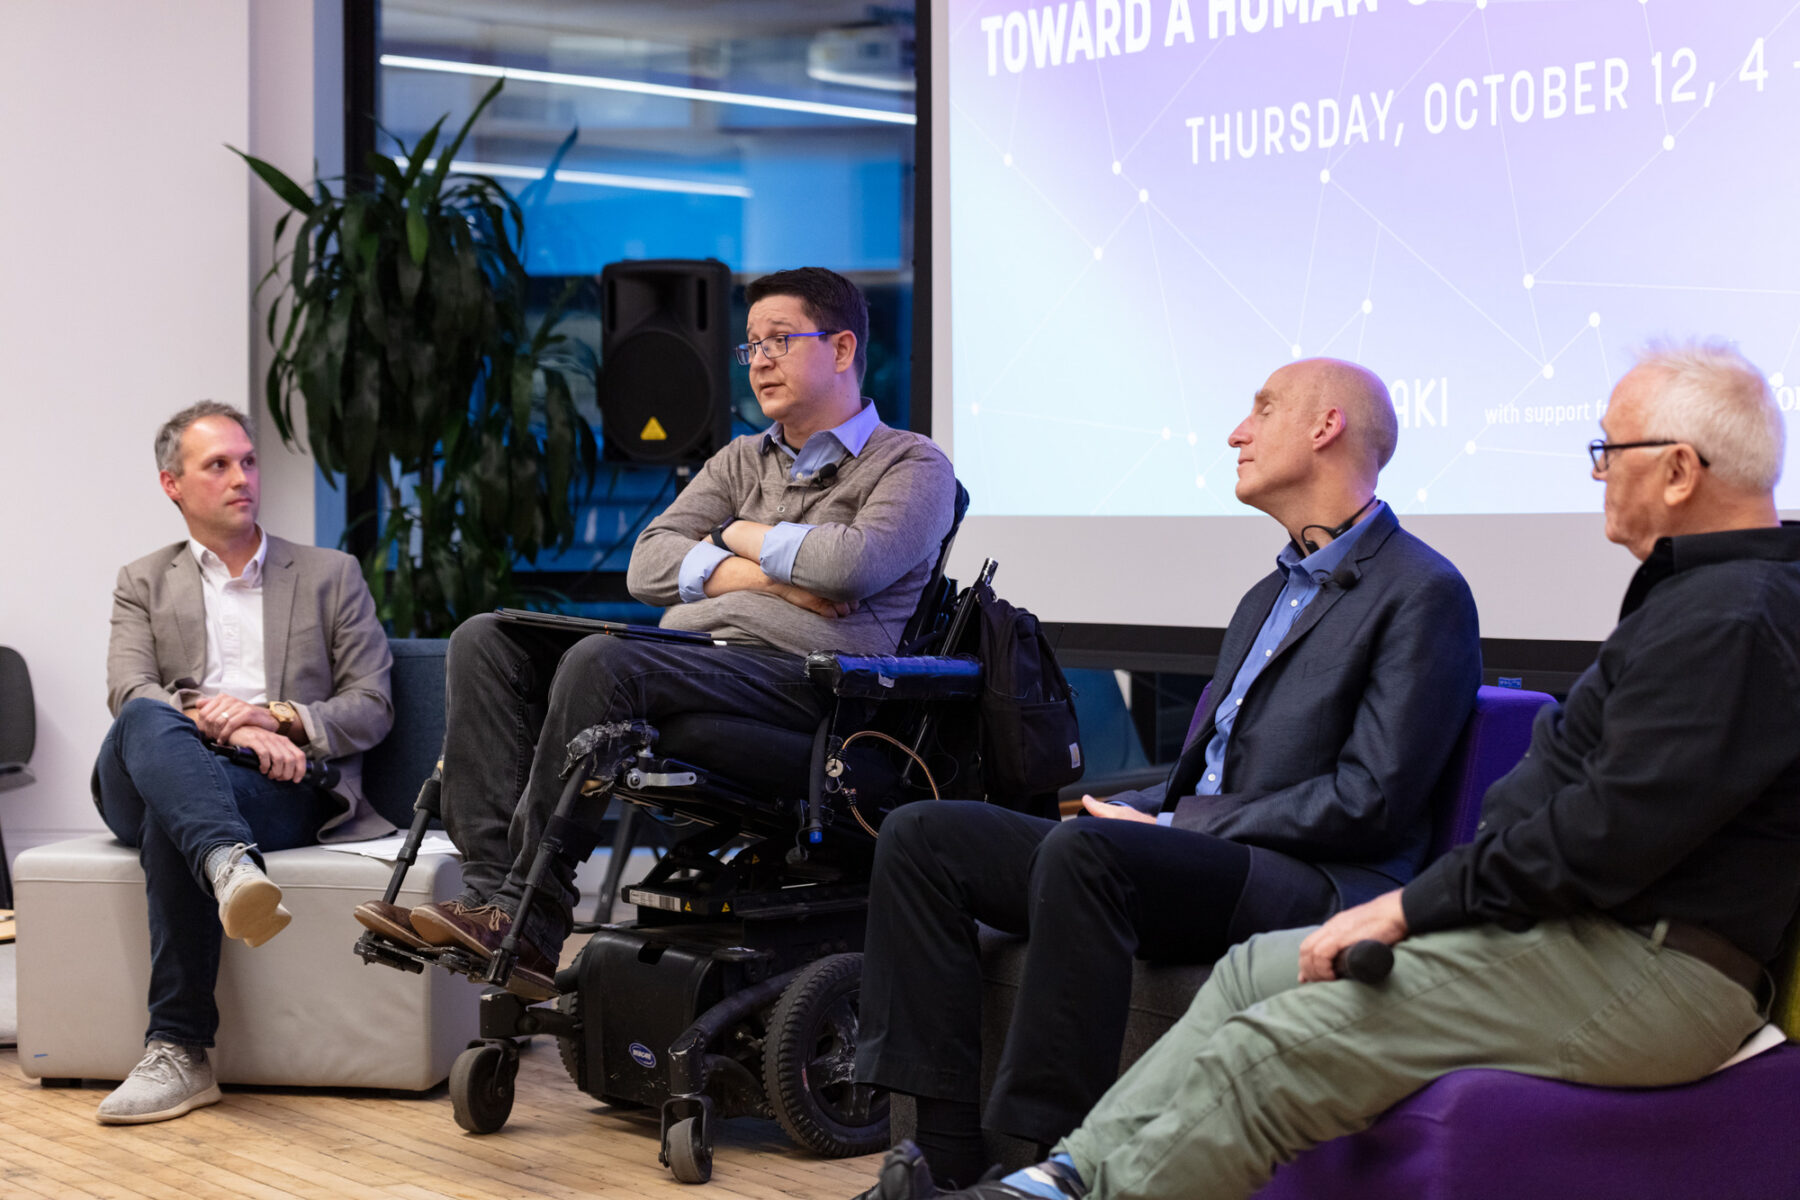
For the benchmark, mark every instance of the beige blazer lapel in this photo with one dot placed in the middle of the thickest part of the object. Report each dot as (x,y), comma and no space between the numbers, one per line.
(278,612)
(188,601)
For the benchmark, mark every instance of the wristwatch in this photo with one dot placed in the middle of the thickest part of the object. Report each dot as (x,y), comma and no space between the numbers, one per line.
(718,533)
(287,721)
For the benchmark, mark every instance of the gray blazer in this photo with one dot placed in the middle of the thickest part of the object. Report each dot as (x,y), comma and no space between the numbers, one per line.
(323,651)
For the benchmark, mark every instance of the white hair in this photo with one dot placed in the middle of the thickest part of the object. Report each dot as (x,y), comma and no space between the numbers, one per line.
(1714,399)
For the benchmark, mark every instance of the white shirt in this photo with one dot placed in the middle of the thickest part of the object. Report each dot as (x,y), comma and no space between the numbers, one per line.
(234,625)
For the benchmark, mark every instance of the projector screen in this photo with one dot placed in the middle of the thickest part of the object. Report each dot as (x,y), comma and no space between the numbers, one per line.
(1143,207)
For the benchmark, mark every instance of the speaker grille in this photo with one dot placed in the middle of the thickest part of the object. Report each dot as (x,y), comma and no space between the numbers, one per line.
(656,382)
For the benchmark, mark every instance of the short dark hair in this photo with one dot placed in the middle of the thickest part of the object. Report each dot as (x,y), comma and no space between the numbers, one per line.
(829,300)
(168,438)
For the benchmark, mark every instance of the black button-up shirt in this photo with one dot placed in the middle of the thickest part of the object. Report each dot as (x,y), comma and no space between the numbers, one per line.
(1669,784)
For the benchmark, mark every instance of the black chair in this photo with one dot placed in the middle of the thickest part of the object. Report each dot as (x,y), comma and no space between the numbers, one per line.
(18,737)
(734,990)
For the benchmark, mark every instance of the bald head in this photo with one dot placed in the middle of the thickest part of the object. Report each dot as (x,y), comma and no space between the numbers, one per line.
(1317,436)
(1370,428)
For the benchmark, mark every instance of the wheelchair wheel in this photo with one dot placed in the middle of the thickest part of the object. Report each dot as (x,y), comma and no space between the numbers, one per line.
(568,1048)
(481,1087)
(690,1159)
(809,1060)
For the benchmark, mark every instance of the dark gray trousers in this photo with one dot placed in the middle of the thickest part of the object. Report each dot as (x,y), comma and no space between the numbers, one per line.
(516,694)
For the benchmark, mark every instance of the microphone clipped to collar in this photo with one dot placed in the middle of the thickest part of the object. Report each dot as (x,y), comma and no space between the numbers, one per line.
(824,475)
(1333,531)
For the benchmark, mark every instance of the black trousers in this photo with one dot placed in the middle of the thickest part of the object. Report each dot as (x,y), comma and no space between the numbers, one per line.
(515,696)
(1092,894)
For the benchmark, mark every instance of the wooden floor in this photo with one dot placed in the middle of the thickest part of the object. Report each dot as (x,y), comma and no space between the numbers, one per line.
(274,1144)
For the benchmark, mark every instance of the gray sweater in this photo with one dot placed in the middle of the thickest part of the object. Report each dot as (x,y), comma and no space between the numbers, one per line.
(879,524)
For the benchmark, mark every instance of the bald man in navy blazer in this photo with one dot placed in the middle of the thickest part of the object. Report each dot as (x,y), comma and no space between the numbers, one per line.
(1343,682)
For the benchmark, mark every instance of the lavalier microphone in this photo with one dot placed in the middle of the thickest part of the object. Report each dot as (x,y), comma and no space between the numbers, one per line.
(1333,531)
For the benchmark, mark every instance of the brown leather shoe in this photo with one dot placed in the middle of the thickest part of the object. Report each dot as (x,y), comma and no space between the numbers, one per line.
(442,924)
(480,930)
(391,922)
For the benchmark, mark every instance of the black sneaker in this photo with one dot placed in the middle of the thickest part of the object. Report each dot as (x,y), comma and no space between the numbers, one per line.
(903,1176)
(993,1185)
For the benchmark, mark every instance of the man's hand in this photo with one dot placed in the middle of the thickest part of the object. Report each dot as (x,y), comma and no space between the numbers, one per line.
(1381,920)
(276,757)
(801,598)
(742,575)
(221,716)
(1115,812)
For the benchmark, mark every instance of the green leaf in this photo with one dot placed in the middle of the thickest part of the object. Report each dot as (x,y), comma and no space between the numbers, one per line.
(444,159)
(417,156)
(290,192)
(385,172)
(418,235)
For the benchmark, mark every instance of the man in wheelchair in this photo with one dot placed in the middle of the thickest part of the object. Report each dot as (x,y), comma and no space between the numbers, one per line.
(819,533)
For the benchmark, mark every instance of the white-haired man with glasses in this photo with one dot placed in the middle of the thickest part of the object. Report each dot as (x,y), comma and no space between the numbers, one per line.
(817,534)
(1610,921)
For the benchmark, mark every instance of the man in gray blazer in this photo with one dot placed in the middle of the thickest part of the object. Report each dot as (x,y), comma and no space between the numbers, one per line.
(1343,682)
(817,534)
(231,637)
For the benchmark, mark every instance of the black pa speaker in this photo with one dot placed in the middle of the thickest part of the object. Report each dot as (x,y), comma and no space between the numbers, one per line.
(665,359)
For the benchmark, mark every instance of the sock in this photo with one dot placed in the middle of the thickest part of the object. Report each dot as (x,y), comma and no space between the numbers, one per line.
(215,860)
(949,1135)
(1053,1179)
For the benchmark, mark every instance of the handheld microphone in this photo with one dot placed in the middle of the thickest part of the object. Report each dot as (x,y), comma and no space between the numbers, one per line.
(1334,531)
(825,475)
(319,774)
(1367,961)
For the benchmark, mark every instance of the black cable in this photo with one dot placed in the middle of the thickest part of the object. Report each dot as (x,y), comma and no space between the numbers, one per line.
(1333,531)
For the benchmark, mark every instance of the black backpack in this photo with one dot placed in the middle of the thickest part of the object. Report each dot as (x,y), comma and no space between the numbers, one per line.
(1030,742)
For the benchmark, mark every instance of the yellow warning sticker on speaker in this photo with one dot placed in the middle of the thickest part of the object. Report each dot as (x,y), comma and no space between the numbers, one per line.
(654,432)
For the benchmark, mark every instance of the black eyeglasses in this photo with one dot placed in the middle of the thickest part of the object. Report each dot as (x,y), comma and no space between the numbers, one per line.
(1601,451)
(773,346)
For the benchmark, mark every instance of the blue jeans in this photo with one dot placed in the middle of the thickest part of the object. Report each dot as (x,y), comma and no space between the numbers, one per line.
(163,791)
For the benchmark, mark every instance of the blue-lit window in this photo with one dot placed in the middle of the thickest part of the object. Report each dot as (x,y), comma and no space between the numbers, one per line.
(767,135)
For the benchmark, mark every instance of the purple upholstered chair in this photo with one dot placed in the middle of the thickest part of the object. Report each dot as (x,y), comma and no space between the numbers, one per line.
(1496,1135)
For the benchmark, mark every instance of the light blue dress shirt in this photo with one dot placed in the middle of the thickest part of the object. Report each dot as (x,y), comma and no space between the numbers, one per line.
(782,543)
(1306,577)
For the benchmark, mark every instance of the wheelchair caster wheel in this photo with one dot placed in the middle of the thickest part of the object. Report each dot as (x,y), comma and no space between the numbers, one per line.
(690,1158)
(809,1059)
(481,1086)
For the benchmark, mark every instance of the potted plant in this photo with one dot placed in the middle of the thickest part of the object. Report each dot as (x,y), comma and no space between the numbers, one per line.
(400,323)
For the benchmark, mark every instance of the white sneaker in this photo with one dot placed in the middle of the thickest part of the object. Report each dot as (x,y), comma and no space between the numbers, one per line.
(250,905)
(170,1082)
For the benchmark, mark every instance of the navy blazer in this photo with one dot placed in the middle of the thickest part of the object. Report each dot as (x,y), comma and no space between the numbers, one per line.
(1340,741)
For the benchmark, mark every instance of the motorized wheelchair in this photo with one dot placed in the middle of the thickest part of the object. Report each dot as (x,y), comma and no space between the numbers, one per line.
(735,989)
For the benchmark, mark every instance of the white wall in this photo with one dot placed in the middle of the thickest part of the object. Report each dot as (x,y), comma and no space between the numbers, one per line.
(126,242)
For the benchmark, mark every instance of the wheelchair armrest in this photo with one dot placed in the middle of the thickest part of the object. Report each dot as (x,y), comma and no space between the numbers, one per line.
(886,677)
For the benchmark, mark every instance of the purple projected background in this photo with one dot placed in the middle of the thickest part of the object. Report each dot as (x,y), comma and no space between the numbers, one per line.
(1490,204)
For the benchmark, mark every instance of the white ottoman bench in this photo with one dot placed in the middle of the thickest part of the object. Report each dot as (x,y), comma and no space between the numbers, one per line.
(300,1011)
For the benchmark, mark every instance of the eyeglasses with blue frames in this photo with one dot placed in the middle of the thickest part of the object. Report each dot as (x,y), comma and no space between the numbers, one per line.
(773,346)
(1601,451)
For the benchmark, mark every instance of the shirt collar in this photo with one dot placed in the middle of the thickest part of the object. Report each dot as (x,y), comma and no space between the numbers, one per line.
(1671,556)
(1322,562)
(852,435)
(212,564)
